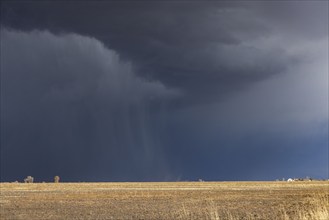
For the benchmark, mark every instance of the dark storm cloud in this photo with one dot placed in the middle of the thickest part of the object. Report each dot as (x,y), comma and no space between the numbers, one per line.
(161,90)
(201,48)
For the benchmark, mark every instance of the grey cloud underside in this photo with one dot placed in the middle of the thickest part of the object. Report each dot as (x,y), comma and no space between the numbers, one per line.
(197,47)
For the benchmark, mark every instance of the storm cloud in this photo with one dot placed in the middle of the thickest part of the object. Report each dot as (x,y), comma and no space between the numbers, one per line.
(65,94)
(164,90)
(193,46)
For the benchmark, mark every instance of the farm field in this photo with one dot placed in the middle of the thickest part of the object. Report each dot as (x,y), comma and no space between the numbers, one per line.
(166,200)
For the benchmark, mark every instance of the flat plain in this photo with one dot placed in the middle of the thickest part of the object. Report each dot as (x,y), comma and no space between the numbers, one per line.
(166,200)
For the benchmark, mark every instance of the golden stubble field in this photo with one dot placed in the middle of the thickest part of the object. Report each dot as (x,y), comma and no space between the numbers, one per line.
(166,200)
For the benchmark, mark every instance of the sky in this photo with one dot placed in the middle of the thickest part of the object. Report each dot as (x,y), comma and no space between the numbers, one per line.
(164,90)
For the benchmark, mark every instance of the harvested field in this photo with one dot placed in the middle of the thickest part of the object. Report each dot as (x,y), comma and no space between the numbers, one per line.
(166,200)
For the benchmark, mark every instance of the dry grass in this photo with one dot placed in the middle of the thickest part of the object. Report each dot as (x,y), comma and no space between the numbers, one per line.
(313,208)
(176,200)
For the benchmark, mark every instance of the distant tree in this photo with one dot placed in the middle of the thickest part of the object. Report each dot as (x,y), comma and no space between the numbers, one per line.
(56,179)
(29,179)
